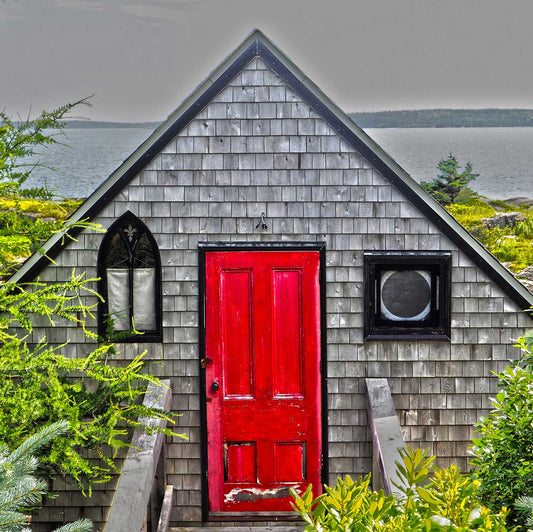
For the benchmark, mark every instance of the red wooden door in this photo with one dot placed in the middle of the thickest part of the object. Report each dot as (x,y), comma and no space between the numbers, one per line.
(263,338)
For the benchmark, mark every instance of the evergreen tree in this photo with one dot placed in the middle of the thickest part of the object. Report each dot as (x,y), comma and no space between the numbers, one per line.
(20,489)
(450,182)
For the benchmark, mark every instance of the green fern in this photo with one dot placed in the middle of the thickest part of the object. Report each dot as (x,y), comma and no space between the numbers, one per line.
(102,401)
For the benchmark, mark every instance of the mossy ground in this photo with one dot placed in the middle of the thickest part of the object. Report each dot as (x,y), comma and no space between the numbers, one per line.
(25,223)
(513,244)
(40,208)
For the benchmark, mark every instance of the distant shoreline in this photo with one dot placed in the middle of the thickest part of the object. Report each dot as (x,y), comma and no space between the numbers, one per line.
(100,124)
(440,118)
(422,118)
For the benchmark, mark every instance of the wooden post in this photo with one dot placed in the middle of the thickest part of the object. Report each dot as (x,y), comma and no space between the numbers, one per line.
(386,432)
(130,503)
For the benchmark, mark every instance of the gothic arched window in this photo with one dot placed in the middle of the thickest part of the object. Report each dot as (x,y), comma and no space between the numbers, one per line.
(129,267)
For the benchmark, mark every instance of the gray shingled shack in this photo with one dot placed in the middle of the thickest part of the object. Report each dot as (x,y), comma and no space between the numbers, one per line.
(259,160)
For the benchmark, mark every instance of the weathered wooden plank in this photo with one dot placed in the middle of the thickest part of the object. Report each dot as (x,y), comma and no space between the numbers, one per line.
(166,508)
(135,485)
(386,432)
(158,490)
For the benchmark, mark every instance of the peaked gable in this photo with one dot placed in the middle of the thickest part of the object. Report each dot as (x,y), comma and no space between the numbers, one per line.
(257,45)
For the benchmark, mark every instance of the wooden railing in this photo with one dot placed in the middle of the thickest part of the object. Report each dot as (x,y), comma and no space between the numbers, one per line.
(132,497)
(386,434)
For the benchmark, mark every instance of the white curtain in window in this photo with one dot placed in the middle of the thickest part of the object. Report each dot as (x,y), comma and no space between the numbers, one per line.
(144,314)
(118,299)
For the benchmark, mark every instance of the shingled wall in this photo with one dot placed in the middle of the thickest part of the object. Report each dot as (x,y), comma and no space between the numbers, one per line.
(258,147)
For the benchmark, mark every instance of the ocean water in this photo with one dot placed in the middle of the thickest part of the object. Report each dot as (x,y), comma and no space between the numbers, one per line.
(502,156)
(85,159)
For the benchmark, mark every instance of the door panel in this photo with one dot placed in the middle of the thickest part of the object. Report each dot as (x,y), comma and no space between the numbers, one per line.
(287,353)
(236,355)
(263,338)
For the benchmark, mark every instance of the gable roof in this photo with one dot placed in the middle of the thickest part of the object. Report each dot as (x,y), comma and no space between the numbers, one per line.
(257,44)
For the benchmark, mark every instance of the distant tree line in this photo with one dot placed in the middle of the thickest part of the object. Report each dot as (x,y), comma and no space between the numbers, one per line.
(83,124)
(445,118)
(410,118)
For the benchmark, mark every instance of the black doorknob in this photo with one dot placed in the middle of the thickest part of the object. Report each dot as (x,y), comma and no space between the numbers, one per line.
(215,386)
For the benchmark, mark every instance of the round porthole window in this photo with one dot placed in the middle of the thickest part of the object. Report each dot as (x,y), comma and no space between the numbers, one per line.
(405,295)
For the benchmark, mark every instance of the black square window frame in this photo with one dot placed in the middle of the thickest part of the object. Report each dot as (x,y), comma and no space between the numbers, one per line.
(437,324)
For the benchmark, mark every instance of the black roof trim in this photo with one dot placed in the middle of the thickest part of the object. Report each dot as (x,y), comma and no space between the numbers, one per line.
(256,44)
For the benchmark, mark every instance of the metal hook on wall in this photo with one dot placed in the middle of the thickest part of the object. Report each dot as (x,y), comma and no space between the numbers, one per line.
(262,225)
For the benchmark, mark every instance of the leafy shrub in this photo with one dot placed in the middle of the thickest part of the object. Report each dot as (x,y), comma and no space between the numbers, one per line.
(504,451)
(13,247)
(502,205)
(43,208)
(100,400)
(25,224)
(445,501)
(19,140)
(20,490)
(513,245)
(524,509)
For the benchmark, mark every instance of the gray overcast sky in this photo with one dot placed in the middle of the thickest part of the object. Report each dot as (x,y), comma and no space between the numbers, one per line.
(142,58)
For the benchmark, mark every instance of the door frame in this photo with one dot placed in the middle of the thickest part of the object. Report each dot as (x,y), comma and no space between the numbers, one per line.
(206,247)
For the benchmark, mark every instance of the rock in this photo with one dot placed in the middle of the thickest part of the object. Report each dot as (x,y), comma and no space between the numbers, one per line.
(521,200)
(526,273)
(526,277)
(505,219)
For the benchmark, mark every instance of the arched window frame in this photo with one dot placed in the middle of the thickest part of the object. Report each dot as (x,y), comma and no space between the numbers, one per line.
(126,226)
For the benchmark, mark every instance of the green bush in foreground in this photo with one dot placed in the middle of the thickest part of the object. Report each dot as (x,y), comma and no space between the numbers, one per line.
(20,490)
(504,450)
(432,499)
(99,397)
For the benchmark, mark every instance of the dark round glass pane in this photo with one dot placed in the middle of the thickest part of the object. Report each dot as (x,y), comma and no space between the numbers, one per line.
(143,256)
(117,253)
(405,295)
